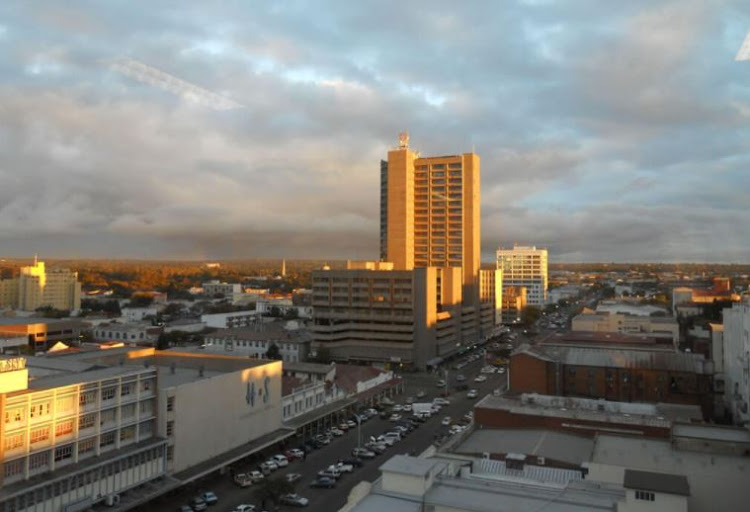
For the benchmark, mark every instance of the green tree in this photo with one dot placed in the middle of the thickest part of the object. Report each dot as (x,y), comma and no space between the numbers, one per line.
(529,315)
(273,352)
(275,312)
(291,314)
(272,489)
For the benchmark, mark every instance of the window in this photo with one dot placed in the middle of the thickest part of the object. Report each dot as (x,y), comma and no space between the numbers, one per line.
(13,467)
(63,428)
(127,434)
(170,404)
(15,415)
(66,403)
(87,421)
(645,496)
(170,428)
(14,441)
(63,452)
(38,460)
(40,409)
(107,416)
(39,434)
(86,446)
(109,393)
(170,452)
(107,439)
(126,389)
(87,398)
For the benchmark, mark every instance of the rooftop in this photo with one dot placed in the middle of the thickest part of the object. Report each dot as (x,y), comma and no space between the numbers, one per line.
(648,358)
(414,466)
(308,367)
(487,468)
(558,446)
(717,482)
(657,482)
(604,340)
(712,433)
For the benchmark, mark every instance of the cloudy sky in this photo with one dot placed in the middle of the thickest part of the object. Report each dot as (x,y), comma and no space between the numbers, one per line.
(608,131)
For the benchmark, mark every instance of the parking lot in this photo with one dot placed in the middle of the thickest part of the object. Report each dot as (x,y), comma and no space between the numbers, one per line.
(231,495)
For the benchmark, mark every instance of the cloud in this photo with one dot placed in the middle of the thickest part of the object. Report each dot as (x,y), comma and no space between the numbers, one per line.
(611,132)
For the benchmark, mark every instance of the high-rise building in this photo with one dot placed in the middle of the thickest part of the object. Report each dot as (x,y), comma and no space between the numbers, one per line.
(527,267)
(431,214)
(37,287)
(427,298)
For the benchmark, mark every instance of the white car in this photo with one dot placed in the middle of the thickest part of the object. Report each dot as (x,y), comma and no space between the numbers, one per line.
(297,453)
(446,421)
(344,468)
(397,408)
(407,408)
(336,432)
(280,460)
(473,393)
(271,464)
(395,417)
(244,508)
(294,499)
(480,378)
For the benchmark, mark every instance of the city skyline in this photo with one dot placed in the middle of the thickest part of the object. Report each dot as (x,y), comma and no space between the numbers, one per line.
(605,133)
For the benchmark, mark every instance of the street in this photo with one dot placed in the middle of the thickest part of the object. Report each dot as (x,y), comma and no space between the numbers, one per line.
(230,495)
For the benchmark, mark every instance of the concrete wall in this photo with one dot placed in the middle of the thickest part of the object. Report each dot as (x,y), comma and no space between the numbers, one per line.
(214,415)
(662,503)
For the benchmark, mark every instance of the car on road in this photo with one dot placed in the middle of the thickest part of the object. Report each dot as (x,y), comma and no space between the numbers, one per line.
(354,461)
(473,393)
(343,467)
(362,453)
(501,370)
(394,417)
(244,507)
(294,500)
(292,477)
(441,401)
(323,482)
(480,378)
(198,504)
(243,479)
(446,421)
(398,408)
(271,464)
(460,378)
(421,394)
(351,424)
(376,447)
(184,508)
(333,474)
(344,426)
(296,453)
(371,412)
(336,432)
(407,408)
(440,384)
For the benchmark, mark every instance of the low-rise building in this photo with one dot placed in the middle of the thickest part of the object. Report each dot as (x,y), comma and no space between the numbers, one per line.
(231,291)
(293,344)
(131,333)
(282,306)
(737,361)
(231,320)
(654,326)
(42,333)
(136,314)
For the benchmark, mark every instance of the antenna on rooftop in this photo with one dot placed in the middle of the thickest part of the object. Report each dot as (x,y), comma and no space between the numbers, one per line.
(403,140)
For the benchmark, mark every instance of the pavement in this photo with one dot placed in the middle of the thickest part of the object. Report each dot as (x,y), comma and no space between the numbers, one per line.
(326,500)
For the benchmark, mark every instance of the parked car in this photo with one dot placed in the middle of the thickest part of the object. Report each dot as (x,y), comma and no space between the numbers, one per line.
(460,378)
(198,504)
(294,500)
(330,472)
(407,408)
(376,447)
(354,461)
(292,477)
(184,508)
(421,394)
(296,453)
(324,482)
(480,378)
(344,426)
(446,421)
(271,464)
(244,508)
(409,400)
(473,393)
(440,384)
(351,424)
(394,417)
(398,408)
(210,498)
(362,453)
(280,461)
(336,432)
(344,468)
(243,479)
(256,476)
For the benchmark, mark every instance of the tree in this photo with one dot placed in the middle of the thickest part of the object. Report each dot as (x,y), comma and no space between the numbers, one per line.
(275,312)
(272,489)
(291,314)
(273,352)
(529,315)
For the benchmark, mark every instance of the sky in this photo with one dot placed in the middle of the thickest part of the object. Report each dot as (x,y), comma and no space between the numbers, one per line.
(607,131)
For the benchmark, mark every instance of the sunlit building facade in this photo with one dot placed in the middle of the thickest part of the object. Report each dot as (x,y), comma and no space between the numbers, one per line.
(527,267)
(37,286)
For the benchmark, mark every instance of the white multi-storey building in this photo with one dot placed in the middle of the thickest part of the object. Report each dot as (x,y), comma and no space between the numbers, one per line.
(737,360)
(525,266)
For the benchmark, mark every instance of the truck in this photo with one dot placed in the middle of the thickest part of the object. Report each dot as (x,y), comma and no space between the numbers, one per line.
(420,409)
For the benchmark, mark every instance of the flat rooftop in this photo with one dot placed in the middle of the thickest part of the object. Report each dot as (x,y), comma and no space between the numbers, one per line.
(413,466)
(559,446)
(712,433)
(657,482)
(717,482)
(623,413)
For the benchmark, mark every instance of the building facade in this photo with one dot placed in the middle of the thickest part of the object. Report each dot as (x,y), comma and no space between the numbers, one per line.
(92,435)
(656,327)
(527,267)
(293,345)
(231,320)
(513,302)
(737,361)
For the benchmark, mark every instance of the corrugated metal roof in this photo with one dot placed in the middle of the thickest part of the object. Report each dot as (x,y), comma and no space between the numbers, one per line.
(496,468)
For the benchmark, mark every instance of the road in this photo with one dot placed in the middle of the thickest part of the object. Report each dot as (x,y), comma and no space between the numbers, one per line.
(333,499)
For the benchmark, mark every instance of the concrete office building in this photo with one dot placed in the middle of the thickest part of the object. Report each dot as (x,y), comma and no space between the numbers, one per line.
(42,333)
(37,287)
(527,267)
(430,207)
(513,302)
(293,345)
(737,361)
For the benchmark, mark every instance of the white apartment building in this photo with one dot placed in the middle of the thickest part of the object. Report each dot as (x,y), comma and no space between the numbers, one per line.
(131,333)
(525,266)
(90,431)
(655,327)
(737,360)
(138,314)
(231,291)
(293,345)
(284,306)
(231,320)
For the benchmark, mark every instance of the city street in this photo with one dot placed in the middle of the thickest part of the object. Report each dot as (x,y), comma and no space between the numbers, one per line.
(328,500)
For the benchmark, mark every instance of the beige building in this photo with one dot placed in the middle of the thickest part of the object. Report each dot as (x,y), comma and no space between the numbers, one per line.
(513,302)
(432,212)
(525,266)
(653,326)
(37,286)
